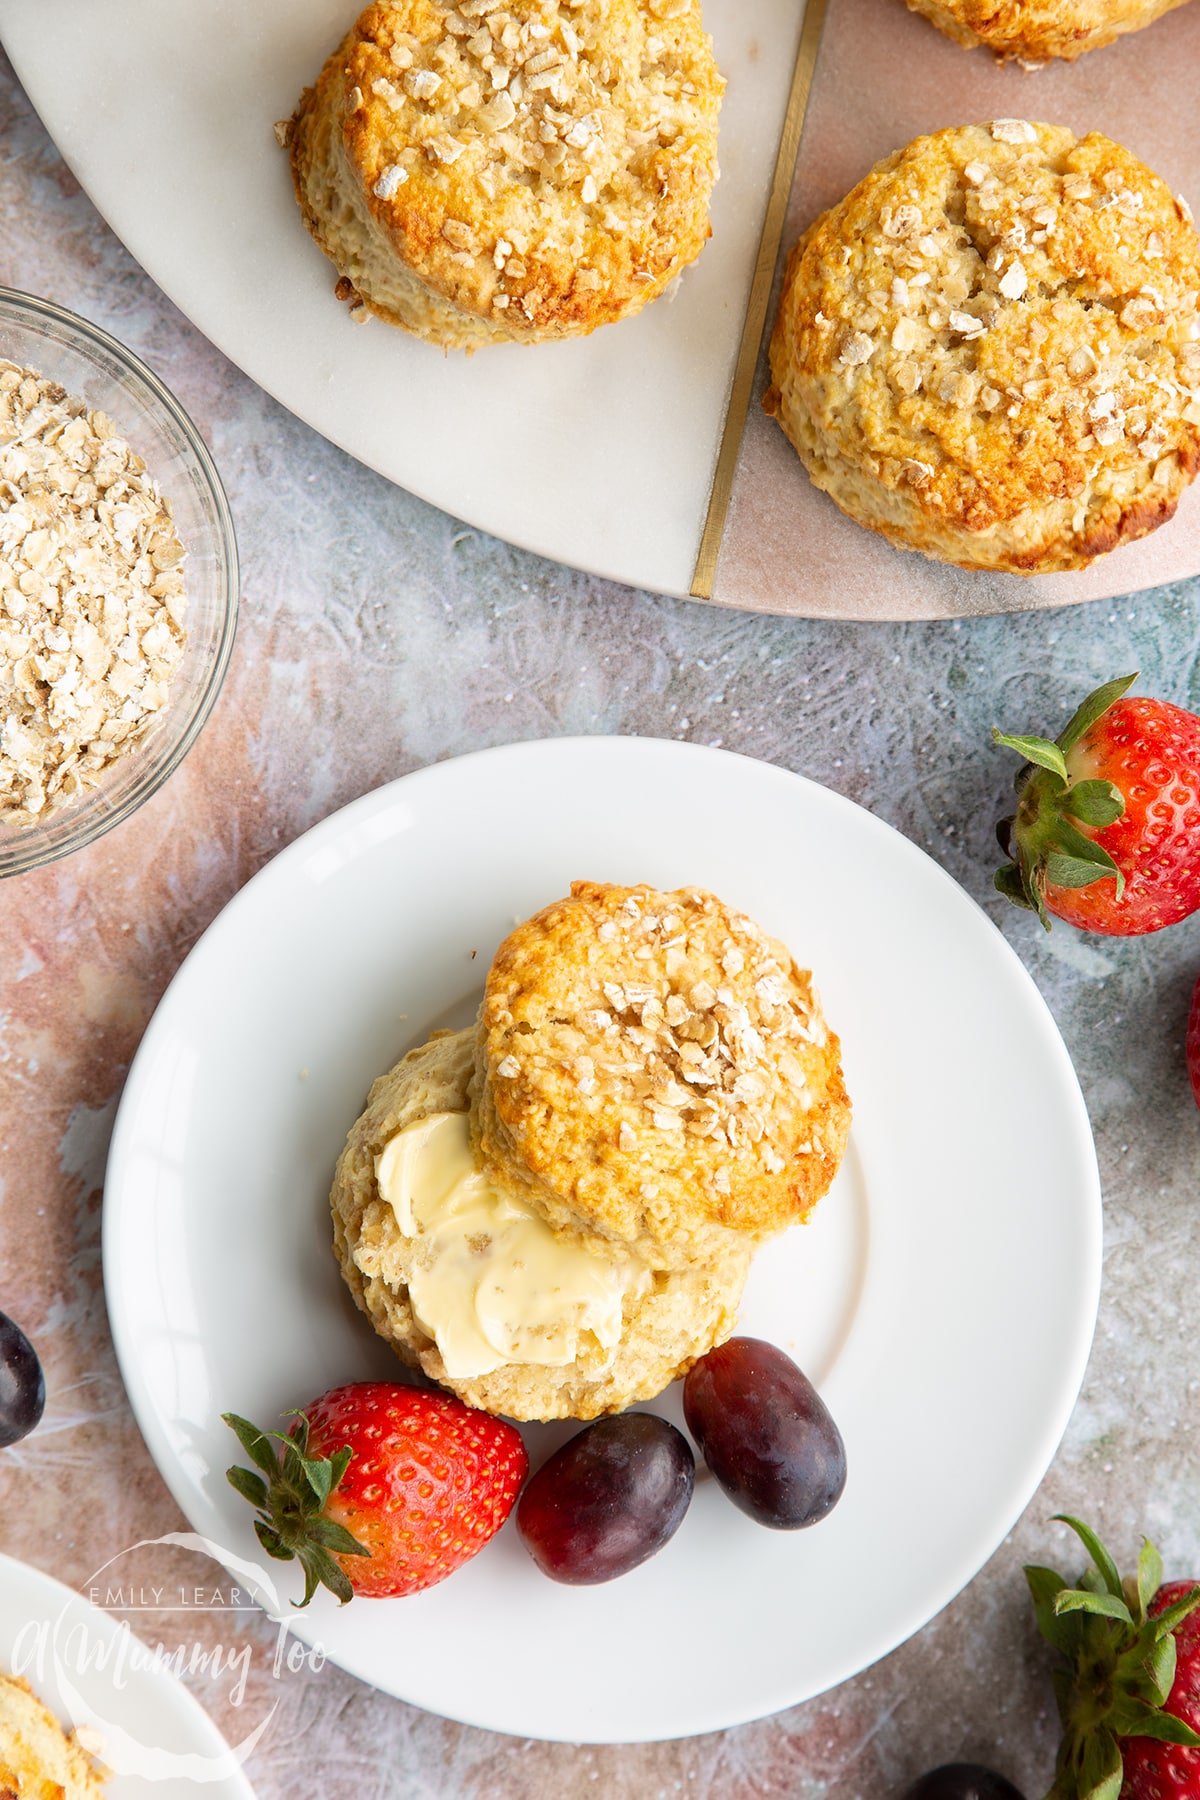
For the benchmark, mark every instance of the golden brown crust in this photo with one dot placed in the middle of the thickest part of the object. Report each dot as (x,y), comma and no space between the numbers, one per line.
(989,350)
(656,1069)
(1037,30)
(681,1314)
(483,175)
(38,1759)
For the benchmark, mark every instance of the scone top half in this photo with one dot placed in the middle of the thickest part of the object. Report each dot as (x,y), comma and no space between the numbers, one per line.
(539,168)
(988,351)
(658,1071)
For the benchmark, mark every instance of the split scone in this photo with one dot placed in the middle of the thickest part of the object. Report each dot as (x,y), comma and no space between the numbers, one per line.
(1036,30)
(38,1759)
(989,350)
(553,1213)
(465,1278)
(489,172)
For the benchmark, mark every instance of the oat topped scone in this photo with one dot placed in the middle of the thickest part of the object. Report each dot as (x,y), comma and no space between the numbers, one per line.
(656,1069)
(553,1212)
(466,1280)
(1033,31)
(488,172)
(990,350)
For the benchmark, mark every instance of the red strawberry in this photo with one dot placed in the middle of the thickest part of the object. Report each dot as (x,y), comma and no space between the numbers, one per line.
(415,1483)
(1107,829)
(1128,1689)
(1193,1043)
(1153,1767)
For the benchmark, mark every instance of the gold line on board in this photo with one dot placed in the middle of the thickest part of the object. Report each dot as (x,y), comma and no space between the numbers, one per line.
(756,310)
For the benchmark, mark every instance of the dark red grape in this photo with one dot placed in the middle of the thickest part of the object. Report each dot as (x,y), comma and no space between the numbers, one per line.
(962,1781)
(765,1433)
(608,1500)
(22,1388)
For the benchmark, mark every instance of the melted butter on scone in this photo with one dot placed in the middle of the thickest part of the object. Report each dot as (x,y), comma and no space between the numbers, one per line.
(492,1283)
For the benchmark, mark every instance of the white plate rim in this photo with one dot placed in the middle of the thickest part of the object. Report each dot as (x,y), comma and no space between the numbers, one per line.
(158,1684)
(1087,1268)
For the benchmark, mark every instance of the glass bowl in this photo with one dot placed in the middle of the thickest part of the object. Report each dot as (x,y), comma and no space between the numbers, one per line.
(94,367)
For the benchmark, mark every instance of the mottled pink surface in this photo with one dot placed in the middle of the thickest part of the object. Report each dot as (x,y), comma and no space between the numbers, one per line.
(884,76)
(378,635)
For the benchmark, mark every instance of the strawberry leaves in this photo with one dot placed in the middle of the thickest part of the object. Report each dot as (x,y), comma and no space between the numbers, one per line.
(1101,1606)
(1100,1768)
(1093,708)
(1035,750)
(1149,1574)
(1104,1568)
(1117,1664)
(291,1494)
(1044,838)
(1096,803)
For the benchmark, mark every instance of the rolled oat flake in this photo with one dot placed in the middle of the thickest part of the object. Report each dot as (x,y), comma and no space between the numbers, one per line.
(91,597)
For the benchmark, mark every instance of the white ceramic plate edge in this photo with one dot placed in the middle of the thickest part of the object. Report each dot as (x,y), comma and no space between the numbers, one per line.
(1068,1376)
(158,1685)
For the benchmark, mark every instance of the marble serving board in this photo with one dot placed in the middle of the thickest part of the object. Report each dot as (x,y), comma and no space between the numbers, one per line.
(884,76)
(598,452)
(610,453)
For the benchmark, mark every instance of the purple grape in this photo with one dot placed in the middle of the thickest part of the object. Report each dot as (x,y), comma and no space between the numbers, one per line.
(962,1781)
(765,1433)
(608,1500)
(22,1387)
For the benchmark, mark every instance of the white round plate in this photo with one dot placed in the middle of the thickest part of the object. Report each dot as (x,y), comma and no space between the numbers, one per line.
(74,1658)
(943,1298)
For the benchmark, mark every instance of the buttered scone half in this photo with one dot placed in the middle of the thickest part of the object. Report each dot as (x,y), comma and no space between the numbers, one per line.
(38,1759)
(654,1069)
(481,172)
(989,350)
(1036,30)
(465,1277)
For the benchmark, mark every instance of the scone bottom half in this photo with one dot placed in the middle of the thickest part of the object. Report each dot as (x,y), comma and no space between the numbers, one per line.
(478,1291)
(595,1312)
(511,175)
(990,350)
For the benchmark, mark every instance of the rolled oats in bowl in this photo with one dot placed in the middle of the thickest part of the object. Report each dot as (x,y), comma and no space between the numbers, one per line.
(91,595)
(118,582)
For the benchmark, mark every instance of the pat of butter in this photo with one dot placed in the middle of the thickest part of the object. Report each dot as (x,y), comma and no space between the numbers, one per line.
(491,1283)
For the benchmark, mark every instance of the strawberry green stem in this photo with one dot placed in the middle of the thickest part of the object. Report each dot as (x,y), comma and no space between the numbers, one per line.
(290,1492)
